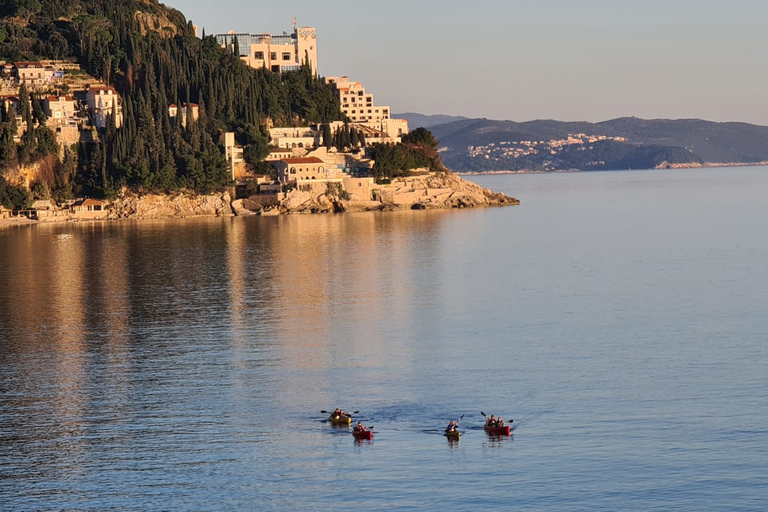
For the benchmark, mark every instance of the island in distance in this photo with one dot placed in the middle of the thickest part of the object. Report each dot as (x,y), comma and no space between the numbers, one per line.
(484,145)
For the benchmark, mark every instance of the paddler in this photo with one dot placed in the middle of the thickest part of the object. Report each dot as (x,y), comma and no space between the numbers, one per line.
(451,427)
(359,427)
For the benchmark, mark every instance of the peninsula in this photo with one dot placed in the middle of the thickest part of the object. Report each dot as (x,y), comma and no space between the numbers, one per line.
(121,104)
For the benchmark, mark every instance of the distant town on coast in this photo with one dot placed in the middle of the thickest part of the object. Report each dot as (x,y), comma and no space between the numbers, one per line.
(104,103)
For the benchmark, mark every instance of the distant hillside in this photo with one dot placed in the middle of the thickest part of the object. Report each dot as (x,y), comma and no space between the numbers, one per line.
(486,145)
(425,121)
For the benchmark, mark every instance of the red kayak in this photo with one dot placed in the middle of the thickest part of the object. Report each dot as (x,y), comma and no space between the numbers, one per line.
(498,431)
(363,434)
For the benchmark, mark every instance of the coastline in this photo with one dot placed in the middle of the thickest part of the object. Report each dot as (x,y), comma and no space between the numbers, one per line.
(661,166)
(428,191)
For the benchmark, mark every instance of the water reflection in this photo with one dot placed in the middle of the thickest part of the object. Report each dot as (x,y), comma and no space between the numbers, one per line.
(105,304)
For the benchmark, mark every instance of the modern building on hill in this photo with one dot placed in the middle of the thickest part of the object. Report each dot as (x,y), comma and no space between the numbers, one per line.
(358,106)
(278,53)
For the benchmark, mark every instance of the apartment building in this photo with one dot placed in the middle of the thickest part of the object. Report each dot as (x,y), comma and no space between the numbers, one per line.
(359,107)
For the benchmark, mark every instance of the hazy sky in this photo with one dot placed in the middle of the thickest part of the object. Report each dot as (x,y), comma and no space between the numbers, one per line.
(536,59)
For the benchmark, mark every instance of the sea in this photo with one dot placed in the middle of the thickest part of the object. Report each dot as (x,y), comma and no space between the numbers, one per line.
(617,320)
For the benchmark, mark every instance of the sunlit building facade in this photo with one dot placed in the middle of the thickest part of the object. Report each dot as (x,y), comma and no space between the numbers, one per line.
(278,53)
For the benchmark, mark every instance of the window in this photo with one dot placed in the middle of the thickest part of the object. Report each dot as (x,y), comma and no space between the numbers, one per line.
(273,55)
(275,69)
(258,55)
(286,56)
(293,170)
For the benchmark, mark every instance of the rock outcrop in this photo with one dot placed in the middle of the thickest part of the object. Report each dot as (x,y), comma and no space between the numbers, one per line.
(153,206)
(438,191)
(427,191)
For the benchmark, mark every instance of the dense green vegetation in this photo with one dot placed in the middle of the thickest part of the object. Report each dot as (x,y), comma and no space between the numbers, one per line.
(151,69)
(13,197)
(418,149)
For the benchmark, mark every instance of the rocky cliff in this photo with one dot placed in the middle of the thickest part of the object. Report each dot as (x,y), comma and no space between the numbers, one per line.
(153,206)
(427,191)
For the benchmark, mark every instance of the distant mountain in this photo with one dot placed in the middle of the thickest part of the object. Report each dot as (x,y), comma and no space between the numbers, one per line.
(425,121)
(487,145)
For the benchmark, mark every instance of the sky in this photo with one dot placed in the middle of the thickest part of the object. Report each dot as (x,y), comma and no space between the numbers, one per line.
(587,60)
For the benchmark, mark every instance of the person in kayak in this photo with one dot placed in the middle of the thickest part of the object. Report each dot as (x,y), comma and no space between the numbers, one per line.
(499,422)
(359,427)
(491,422)
(451,427)
(336,414)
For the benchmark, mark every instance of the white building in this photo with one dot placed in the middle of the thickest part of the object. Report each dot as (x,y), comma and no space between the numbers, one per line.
(277,53)
(359,107)
(102,101)
(60,110)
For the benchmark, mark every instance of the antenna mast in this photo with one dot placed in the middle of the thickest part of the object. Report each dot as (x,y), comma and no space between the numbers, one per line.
(294,23)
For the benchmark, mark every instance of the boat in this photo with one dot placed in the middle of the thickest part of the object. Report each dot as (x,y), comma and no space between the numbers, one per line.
(453,435)
(362,434)
(342,420)
(498,431)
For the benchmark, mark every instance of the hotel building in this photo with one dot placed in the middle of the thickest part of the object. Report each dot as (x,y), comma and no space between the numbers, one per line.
(278,53)
(359,107)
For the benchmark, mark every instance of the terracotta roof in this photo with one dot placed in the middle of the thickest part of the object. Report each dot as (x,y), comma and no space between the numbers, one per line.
(88,202)
(281,150)
(25,64)
(58,98)
(306,160)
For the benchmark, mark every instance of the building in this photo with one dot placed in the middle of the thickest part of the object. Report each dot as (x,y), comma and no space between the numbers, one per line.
(87,206)
(278,154)
(177,113)
(59,109)
(359,107)
(277,53)
(296,137)
(306,169)
(103,101)
(31,74)
(234,155)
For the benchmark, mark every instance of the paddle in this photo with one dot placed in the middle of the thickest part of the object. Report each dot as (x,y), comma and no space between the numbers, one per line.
(455,424)
(345,414)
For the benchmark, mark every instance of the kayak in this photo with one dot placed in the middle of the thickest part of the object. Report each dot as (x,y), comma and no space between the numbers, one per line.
(498,431)
(454,435)
(363,434)
(343,420)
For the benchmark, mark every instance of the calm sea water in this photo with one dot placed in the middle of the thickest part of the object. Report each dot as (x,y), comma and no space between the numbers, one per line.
(620,318)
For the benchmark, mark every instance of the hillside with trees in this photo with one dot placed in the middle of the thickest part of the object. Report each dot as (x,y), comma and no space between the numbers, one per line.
(152,57)
(481,145)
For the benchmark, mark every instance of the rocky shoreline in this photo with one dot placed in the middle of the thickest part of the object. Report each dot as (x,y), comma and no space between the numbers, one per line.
(428,191)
